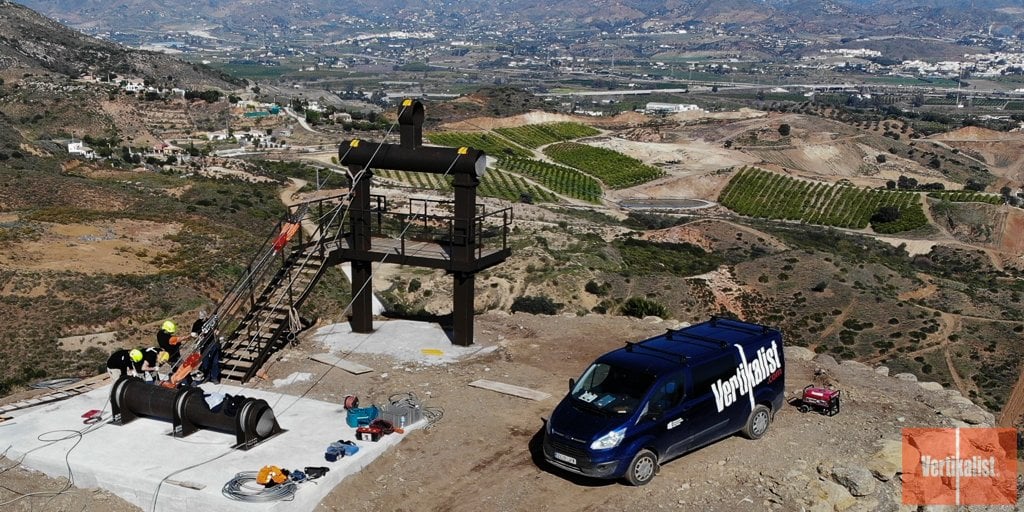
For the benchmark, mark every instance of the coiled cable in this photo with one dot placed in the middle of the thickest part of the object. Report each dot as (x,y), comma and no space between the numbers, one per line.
(243,487)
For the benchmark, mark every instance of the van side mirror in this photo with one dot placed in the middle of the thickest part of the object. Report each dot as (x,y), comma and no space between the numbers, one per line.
(572,384)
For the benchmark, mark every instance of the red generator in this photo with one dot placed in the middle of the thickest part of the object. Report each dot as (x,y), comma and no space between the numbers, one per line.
(823,400)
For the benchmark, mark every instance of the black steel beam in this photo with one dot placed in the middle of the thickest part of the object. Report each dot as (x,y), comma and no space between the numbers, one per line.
(429,159)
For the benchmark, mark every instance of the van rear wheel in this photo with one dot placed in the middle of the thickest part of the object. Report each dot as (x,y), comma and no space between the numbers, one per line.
(757,422)
(642,468)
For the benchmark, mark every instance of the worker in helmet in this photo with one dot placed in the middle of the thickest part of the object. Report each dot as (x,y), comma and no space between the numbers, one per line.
(152,359)
(165,337)
(125,362)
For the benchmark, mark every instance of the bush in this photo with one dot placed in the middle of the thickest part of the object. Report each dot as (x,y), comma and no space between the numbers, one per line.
(886,214)
(640,307)
(598,289)
(536,305)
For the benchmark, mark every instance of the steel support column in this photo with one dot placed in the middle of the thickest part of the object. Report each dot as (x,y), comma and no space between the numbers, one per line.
(362,272)
(462,308)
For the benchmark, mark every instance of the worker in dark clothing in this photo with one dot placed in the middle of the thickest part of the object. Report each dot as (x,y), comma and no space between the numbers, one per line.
(197,326)
(168,341)
(125,362)
(152,359)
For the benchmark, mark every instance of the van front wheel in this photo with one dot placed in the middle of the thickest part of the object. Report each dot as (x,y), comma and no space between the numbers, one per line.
(757,423)
(643,468)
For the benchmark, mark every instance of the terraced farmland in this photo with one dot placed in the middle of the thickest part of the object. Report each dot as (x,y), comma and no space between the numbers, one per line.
(537,135)
(560,179)
(495,183)
(763,194)
(489,143)
(966,196)
(614,169)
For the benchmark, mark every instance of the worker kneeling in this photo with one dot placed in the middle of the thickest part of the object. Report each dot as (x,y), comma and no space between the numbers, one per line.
(125,362)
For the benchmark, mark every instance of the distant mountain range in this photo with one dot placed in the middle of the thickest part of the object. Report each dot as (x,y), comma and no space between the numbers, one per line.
(859,17)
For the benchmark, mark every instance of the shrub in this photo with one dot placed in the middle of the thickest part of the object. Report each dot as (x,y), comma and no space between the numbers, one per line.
(886,214)
(598,289)
(536,305)
(640,307)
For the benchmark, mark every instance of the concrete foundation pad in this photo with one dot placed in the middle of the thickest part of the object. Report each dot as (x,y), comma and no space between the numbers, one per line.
(136,460)
(404,340)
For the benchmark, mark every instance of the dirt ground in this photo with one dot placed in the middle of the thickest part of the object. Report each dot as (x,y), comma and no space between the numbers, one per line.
(483,452)
(120,246)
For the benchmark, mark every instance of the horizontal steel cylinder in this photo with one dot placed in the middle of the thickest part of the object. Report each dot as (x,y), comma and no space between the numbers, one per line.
(429,159)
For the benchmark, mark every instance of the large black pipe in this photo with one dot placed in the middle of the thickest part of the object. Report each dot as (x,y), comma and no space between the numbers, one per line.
(431,159)
(251,420)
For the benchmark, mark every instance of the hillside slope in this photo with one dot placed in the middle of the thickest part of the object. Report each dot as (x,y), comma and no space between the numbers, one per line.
(31,43)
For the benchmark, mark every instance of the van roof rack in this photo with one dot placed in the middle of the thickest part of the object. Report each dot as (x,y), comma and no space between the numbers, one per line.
(671,335)
(629,348)
(740,325)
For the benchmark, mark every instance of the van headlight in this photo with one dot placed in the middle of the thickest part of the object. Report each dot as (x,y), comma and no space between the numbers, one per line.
(609,440)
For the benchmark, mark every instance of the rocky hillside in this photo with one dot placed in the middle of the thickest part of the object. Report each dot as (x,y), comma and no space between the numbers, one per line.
(33,44)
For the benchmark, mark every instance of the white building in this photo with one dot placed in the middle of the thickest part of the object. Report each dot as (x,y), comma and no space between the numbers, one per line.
(80,149)
(670,108)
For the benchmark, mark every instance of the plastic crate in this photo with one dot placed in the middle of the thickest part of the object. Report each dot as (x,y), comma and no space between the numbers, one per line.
(393,413)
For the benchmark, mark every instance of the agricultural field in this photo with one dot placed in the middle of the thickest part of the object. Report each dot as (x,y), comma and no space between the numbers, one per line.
(966,196)
(513,188)
(614,169)
(495,183)
(415,179)
(560,179)
(489,143)
(758,193)
(537,135)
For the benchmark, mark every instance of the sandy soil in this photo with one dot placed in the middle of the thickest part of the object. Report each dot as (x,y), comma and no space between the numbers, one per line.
(122,246)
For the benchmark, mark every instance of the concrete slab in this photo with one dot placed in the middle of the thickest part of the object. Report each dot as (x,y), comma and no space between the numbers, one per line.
(136,460)
(422,343)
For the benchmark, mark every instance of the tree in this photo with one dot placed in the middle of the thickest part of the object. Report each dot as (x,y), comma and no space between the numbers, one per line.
(886,214)
(880,158)
(974,185)
(784,129)
(906,183)
(890,184)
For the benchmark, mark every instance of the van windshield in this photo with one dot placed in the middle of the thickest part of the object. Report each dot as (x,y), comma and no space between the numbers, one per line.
(612,389)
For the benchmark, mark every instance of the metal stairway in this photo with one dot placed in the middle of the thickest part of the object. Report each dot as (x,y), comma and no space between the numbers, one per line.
(272,317)
(259,315)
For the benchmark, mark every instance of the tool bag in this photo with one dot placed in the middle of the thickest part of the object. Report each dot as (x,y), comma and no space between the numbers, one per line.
(361,416)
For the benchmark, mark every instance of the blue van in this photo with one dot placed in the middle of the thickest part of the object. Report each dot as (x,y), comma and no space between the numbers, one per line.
(638,406)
